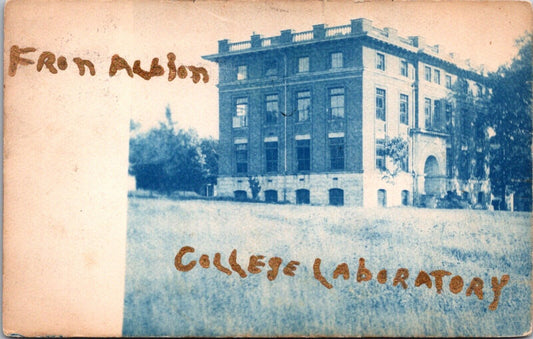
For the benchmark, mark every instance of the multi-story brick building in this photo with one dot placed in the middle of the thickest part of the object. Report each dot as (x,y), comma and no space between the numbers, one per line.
(312,114)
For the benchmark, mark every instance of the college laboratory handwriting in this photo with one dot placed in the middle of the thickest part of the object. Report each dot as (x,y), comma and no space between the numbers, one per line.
(401,276)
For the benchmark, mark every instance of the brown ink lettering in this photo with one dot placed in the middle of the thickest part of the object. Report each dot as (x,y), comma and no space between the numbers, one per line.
(382,276)
(401,275)
(218,265)
(342,269)
(15,59)
(204,261)
(497,288)
(182,72)
(438,274)
(47,59)
(171,66)
(81,63)
(255,261)
(290,268)
(318,275)
(234,265)
(155,69)
(456,284)
(476,285)
(423,279)
(196,71)
(62,63)
(118,63)
(274,263)
(363,274)
(177,260)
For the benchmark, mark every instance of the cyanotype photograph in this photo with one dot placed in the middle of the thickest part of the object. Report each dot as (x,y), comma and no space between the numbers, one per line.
(268,169)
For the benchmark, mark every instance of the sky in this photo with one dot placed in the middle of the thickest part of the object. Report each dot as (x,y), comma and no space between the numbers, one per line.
(485,32)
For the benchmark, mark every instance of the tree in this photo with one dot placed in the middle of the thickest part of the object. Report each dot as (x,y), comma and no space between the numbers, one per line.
(254,187)
(209,149)
(397,150)
(166,159)
(511,122)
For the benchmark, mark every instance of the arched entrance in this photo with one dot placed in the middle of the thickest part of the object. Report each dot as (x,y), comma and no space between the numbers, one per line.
(432,178)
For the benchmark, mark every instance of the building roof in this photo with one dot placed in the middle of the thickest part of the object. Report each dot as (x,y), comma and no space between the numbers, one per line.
(357,29)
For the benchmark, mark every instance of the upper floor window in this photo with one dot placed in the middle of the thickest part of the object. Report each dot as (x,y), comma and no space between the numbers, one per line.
(427,113)
(404,109)
(242,72)
(303,154)
(427,73)
(404,68)
(381,113)
(436,76)
(271,109)
(448,111)
(336,60)
(380,154)
(271,155)
(303,65)
(449,162)
(448,81)
(336,103)
(271,67)
(380,61)
(241,158)
(303,105)
(336,153)
(240,117)
(437,113)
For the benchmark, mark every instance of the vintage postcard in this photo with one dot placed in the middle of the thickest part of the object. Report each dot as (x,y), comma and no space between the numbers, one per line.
(267,168)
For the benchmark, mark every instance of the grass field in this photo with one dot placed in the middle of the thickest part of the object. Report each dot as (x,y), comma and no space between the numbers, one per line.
(160,300)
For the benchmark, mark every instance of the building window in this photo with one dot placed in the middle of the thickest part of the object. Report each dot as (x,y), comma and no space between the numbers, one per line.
(303,103)
(271,67)
(271,155)
(427,73)
(448,81)
(271,109)
(380,154)
(404,164)
(382,198)
(303,154)
(480,165)
(464,170)
(242,72)
(427,113)
(302,196)
(437,114)
(241,157)
(404,68)
(449,163)
(380,61)
(240,195)
(336,60)
(336,103)
(240,119)
(436,76)
(336,197)
(336,153)
(481,198)
(405,197)
(381,113)
(448,109)
(271,196)
(303,65)
(404,109)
